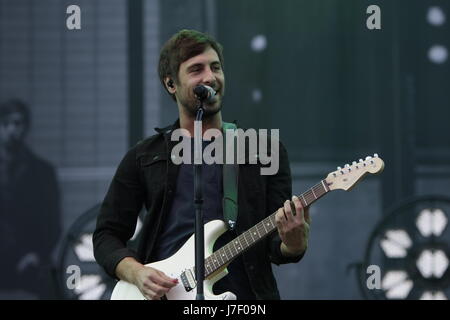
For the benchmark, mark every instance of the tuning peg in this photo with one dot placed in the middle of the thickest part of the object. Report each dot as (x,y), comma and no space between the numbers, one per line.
(339,168)
(368,157)
(353,163)
(361,160)
(375,155)
(347,165)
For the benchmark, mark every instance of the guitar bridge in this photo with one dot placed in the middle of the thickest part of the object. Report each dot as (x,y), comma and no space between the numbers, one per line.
(188,280)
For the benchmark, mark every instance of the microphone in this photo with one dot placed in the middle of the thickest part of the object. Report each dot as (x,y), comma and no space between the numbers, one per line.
(205,93)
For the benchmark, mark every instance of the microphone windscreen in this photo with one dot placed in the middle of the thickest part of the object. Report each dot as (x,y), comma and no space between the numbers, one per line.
(201,92)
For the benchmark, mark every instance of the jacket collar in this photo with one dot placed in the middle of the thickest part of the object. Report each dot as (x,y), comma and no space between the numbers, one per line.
(176,125)
(168,130)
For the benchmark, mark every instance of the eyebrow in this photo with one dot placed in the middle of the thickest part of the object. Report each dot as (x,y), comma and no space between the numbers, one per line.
(216,62)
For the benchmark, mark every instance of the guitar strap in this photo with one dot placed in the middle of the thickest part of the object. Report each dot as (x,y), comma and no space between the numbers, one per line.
(230,174)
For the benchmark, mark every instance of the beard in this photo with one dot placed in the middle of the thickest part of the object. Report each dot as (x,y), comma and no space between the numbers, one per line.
(209,108)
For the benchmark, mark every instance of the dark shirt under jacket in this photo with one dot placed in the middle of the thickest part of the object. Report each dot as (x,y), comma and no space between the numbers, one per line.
(146,175)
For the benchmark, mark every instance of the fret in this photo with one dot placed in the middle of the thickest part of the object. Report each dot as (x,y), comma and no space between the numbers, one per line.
(311,198)
(230,248)
(214,261)
(263,223)
(318,190)
(210,265)
(307,197)
(268,224)
(227,247)
(306,203)
(238,247)
(272,221)
(219,258)
(243,235)
(242,243)
(207,267)
(325,187)
(313,193)
(242,247)
(233,249)
(302,201)
(261,229)
(264,226)
(250,231)
(248,238)
(257,231)
(224,255)
(218,253)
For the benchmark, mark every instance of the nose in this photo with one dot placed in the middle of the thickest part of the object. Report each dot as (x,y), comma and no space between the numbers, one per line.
(209,78)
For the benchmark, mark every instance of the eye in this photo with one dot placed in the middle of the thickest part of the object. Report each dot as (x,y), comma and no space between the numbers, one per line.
(195,69)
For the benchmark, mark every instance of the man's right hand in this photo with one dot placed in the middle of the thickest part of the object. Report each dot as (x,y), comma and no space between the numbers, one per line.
(152,283)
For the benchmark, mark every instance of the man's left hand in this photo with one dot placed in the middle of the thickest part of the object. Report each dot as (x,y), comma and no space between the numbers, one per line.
(293,227)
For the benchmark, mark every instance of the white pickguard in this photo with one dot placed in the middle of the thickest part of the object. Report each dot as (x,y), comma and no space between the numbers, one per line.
(176,264)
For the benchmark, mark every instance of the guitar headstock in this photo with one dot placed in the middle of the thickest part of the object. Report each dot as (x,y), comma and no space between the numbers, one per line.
(345,178)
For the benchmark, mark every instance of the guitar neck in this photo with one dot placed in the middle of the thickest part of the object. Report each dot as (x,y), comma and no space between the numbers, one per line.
(234,248)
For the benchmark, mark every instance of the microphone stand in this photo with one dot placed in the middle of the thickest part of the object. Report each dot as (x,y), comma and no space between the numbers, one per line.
(198,202)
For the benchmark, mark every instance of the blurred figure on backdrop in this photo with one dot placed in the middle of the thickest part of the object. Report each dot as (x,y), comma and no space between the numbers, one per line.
(29,210)
(148,176)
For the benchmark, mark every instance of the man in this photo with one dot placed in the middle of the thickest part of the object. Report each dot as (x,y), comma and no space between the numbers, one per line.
(29,210)
(147,175)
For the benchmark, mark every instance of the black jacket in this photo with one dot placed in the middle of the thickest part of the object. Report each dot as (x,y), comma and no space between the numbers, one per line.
(146,175)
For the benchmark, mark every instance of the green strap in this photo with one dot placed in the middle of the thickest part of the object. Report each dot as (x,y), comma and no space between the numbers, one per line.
(230,182)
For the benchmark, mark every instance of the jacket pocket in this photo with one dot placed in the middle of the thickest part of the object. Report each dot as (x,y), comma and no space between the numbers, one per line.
(152,158)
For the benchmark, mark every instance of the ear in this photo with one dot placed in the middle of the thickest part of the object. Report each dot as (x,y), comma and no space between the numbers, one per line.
(170,86)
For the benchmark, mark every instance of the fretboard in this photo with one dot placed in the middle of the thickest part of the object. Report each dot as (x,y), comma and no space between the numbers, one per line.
(234,248)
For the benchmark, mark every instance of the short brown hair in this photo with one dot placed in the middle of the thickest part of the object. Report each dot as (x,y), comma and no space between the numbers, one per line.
(182,46)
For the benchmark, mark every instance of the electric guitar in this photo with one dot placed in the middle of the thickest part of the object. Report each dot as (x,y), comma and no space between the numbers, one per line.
(181,264)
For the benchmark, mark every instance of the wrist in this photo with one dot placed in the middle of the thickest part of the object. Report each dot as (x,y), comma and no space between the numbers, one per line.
(128,270)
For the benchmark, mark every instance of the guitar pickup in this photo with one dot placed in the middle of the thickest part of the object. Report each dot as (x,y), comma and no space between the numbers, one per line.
(188,280)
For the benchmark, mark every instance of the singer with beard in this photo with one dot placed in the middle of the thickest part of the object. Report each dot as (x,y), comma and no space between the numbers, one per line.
(148,177)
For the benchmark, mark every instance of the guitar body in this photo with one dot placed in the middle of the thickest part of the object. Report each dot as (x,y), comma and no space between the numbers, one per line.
(182,260)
